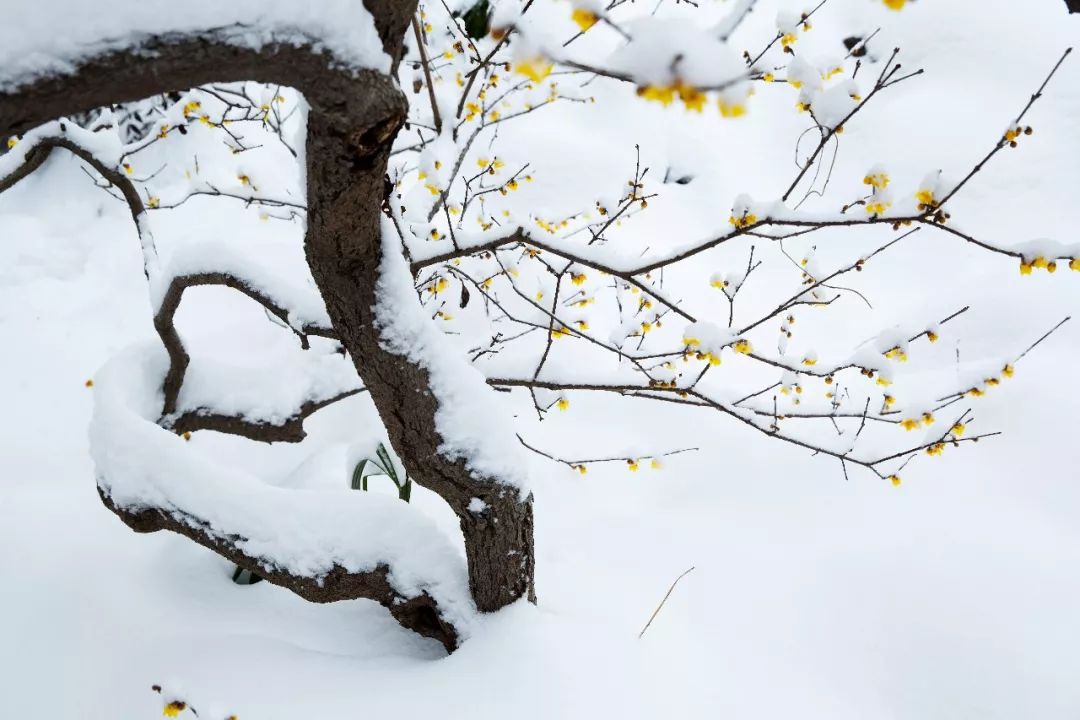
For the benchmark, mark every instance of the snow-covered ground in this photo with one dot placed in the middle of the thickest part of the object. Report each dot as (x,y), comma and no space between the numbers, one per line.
(952,596)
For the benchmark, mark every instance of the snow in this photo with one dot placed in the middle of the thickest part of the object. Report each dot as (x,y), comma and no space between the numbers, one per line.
(471,416)
(141,465)
(51,37)
(950,596)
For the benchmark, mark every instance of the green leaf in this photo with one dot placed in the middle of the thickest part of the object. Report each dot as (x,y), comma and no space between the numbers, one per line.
(478,20)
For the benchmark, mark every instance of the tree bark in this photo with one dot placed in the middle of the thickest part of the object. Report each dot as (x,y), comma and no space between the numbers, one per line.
(353,120)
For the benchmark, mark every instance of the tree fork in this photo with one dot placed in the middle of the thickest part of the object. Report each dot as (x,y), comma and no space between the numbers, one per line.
(352,124)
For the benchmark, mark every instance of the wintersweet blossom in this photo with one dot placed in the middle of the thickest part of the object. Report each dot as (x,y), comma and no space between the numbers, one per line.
(584,18)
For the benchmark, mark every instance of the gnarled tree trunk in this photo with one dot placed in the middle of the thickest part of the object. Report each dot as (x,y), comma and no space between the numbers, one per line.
(353,120)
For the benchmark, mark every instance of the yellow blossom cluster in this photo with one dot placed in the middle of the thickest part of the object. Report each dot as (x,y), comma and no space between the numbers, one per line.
(913,423)
(897,353)
(536,68)
(1042,263)
(744,221)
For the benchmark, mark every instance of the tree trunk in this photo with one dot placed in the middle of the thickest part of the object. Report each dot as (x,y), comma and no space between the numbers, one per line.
(352,124)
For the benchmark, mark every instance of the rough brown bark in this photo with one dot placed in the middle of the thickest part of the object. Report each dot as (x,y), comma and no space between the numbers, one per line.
(353,120)
(420,614)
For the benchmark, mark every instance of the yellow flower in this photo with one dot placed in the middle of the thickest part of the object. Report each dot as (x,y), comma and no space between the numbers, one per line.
(976,392)
(561,331)
(89,383)
(895,480)
(895,4)
(788,39)
(582,469)
(927,419)
(127,168)
(657,93)
(809,361)
(731,110)
(1025,267)
(909,423)
(12,142)
(655,464)
(713,358)
(889,401)
(174,708)
(931,336)
(692,98)
(578,279)
(244,179)
(743,346)
(432,189)
(936,449)
(163,132)
(632,465)
(896,354)
(472,110)
(536,68)
(584,19)
(563,404)
(768,77)
(1074,264)
(153,202)
(1008,371)
(802,107)
(877,180)
(884,381)
(745,221)
(877,207)
(926,197)
(958,429)
(690,341)
(1040,262)
(191,107)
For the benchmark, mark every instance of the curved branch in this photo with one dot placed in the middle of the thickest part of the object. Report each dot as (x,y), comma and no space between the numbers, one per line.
(164,323)
(419,613)
(291,430)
